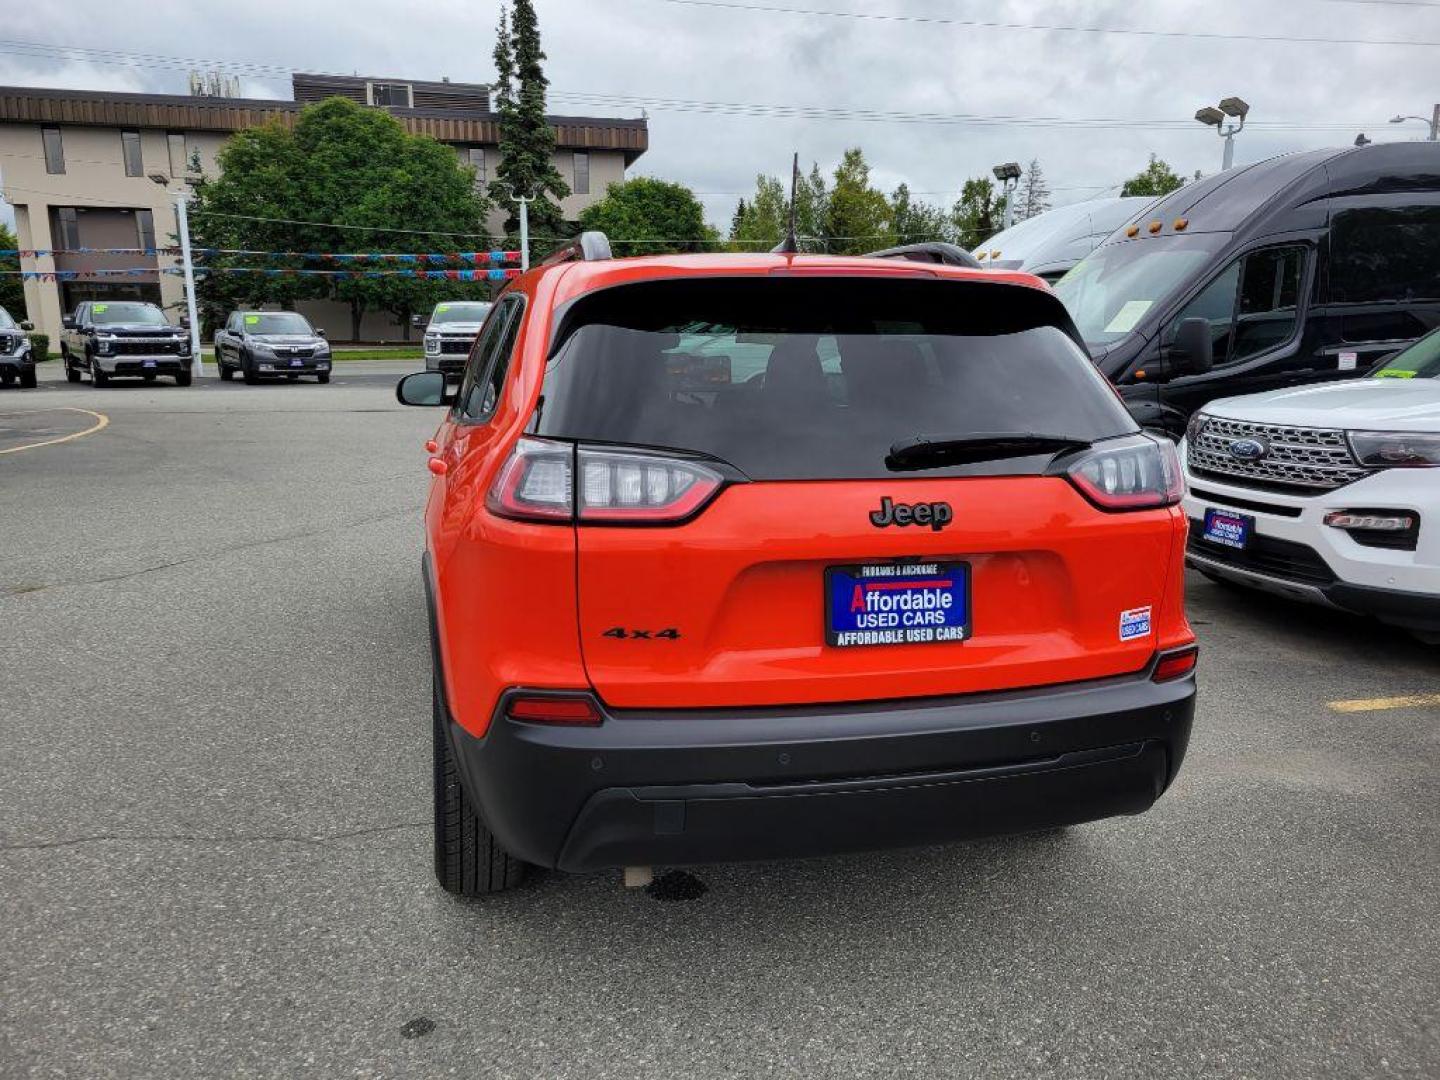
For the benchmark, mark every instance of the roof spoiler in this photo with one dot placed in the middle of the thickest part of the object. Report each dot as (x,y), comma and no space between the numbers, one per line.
(587,247)
(931,252)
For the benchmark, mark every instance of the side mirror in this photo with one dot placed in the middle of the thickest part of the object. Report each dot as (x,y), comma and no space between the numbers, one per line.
(424,388)
(185,321)
(418,321)
(68,322)
(1193,351)
(319,332)
(27,326)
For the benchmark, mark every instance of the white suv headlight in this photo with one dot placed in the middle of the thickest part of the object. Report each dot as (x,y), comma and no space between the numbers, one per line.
(1392,449)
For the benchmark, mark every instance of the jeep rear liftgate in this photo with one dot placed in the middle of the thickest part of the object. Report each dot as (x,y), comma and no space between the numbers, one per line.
(900,446)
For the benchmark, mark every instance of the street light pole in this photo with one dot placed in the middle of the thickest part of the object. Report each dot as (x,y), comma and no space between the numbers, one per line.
(1211,116)
(524,202)
(1434,123)
(1009,177)
(182,221)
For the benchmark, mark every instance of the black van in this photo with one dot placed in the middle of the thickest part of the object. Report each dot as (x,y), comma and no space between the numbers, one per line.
(1303,268)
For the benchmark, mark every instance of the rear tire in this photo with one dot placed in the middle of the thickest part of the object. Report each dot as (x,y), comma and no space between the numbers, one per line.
(469,861)
(71,375)
(227,374)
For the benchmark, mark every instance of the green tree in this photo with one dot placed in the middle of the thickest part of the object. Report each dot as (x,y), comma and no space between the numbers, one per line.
(977,214)
(916,221)
(760,223)
(358,171)
(647,216)
(527,141)
(1034,194)
(812,206)
(857,217)
(12,288)
(1157,178)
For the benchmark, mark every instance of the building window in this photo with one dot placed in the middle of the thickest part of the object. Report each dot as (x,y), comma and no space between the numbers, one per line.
(145,228)
(475,155)
(390,95)
(67,228)
(54,150)
(130,149)
(582,173)
(179,157)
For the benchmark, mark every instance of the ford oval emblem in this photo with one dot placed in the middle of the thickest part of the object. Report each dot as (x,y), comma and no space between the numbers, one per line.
(1249,449)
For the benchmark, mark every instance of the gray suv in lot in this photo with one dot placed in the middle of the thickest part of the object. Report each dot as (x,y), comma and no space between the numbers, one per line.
(451,331)
(16,359)
(271,345)
(126,338)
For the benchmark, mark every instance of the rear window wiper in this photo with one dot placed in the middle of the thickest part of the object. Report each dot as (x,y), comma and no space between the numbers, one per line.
(938,451)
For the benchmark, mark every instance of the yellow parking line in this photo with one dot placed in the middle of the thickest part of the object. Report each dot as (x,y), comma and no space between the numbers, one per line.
(101,420)
(1409,701)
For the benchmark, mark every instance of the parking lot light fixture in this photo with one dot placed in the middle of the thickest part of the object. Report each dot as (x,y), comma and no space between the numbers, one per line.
(1009,176)
(1433,121)
(1233,108)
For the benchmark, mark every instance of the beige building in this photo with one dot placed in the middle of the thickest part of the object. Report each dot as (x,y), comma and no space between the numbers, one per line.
(88,169)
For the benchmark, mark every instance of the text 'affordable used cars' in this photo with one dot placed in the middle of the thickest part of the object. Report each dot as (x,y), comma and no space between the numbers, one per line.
(738,557)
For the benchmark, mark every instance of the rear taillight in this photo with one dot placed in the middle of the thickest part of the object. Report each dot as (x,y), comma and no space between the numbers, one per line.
(639,488)
(544,709)
(1175,664)
(535,483)
(1135,473)
(538,482)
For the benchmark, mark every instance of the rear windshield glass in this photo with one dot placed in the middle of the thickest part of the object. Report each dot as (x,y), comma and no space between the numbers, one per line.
(817,379)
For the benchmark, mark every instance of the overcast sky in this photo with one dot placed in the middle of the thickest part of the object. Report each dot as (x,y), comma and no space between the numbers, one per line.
(890,62)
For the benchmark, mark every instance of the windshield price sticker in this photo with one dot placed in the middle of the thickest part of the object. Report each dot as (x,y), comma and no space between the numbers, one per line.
(98,308)
(1126,318)
(251,320)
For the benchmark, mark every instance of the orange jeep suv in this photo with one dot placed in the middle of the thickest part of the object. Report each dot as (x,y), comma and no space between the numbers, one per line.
(736,557)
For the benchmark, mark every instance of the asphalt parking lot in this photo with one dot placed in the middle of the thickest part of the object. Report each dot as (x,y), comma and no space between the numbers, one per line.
(215,846)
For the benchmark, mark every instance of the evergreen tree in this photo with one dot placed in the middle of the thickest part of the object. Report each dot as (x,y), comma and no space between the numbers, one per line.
(1034,193)
(527,142)
(1156,179)
(916,221)
(762,223)
(857,217)
(978,212)
(738,221)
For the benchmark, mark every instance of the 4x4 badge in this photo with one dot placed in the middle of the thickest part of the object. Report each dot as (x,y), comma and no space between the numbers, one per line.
(936,514)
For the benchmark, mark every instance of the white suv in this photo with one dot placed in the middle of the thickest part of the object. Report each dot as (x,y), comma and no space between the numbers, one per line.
(1328,494)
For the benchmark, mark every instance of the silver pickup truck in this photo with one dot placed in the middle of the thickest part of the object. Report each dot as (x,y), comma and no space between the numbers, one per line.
(271,345)
(451,331)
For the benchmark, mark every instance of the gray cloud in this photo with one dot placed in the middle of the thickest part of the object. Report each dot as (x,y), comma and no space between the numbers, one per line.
(654,49)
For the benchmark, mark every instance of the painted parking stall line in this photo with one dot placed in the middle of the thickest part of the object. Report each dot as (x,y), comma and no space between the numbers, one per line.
(101,422)
(1405,701)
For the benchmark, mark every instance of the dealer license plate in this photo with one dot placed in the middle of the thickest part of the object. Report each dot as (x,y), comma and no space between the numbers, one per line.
(147,363)
(897,604)
(1227,529)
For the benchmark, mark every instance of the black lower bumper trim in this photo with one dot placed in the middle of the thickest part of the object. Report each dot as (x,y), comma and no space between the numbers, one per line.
(698,786)
(1413,611)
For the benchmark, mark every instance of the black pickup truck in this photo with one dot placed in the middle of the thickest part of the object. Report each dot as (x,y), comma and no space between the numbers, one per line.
(123,338)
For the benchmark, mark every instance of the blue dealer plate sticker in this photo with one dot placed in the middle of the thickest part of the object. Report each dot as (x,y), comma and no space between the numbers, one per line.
(297,363)
(1227,529)
(897,604)
(147,363)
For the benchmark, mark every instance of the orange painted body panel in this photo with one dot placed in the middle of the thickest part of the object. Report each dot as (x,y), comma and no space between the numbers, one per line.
(743,584)
(526,604)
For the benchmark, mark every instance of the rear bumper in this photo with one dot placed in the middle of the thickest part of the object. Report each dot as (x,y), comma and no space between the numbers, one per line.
(724,785)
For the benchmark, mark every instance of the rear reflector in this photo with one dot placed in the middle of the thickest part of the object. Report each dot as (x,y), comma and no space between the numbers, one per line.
(553,710)
(1176,664)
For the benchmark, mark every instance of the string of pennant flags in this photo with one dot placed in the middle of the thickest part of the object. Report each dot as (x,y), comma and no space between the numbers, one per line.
(433,257)
(495,274)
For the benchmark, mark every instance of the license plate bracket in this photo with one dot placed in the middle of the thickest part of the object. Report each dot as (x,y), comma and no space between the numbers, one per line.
(911,603)
(1225,528)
